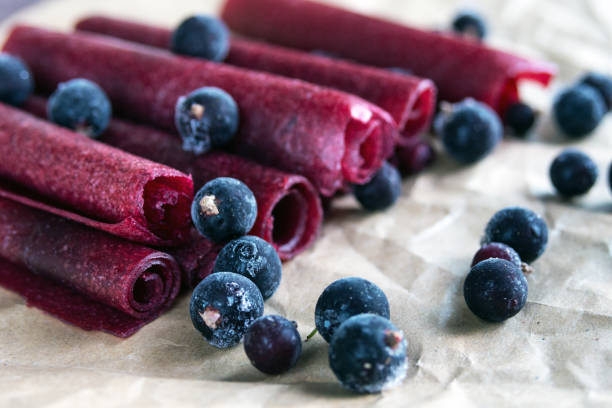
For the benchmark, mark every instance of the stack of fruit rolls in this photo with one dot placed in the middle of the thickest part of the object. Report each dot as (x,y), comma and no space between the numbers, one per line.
(80,275)
(330,137)
(289,209)
(73,176)
(459,67)
(409,99)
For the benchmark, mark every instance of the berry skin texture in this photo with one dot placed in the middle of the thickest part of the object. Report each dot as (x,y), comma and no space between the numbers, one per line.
(16,83)
(382,191)
(601,83)
(206,118)
(520,118)
(470,131)
(495,289)
(520,228)
(345,298)
(578,110)
(223,306)
(368,354)
(573,173)
(272,344)
(497,250)
(224,209)
(203,37)
(470,24)
(253,258)
(81,105)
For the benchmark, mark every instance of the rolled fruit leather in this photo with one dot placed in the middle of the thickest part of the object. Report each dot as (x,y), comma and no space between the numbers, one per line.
(330,137)
(289,212)
(83,276)
(409,99)
(68,174)
(459,67)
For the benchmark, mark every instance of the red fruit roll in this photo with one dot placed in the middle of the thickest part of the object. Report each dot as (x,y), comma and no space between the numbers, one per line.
(325,135)
(288,207)
(459,67)
(83,276)
(71,175)
(410,100)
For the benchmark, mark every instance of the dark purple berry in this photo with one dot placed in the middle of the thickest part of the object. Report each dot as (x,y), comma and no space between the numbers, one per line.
(497,250)
(520,118)
(521,229)
(495,289)
(470,24)
(224,209)
(345,298)
(368,354)
(573,173)
(203,37)
(470,130)
(16,84)
(272,344)
(206,118)
(578,110)
(601,83)
(81,105)
(382,191)
(223,306)
(253,258)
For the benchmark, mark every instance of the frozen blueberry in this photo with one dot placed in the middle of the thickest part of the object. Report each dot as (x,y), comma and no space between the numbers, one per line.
(203,37)
(415,157)
(206,118)
(470,23)
(497,250)
(81,105)
(601,83)
(521,229)
(495,289)
(253,258)
(16,83)
(368,354)
(224,209)
(470,130)
(381,191)
(345,298)
(520,118)
(273,344)
(578,110)
(573,173)
(223,306)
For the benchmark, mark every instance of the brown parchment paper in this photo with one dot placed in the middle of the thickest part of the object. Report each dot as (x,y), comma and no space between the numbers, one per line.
(556,352)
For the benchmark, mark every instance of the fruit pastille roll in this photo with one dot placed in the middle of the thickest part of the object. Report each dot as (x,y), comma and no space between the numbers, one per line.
(328,136)
(71,175)
(81,275)
(409,99)
(289,210)
(460,68)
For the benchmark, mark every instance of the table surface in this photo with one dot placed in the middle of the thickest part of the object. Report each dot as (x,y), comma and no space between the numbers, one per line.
(556,352)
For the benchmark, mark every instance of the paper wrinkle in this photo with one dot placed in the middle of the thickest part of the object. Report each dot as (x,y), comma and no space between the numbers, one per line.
(556,352)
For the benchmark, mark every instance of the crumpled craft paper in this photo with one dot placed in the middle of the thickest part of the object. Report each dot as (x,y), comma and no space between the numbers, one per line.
(556,352)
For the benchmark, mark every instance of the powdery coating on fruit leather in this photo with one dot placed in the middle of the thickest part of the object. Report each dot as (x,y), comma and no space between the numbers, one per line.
(409,99)
(289,213)
(326,135)
(83,276)
(63,172)
(460,68)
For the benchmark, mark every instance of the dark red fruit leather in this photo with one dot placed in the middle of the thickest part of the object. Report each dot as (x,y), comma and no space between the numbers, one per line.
(83,276)
(68,174)
(326,135)
(288,207)
(410,100)
(460,68)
